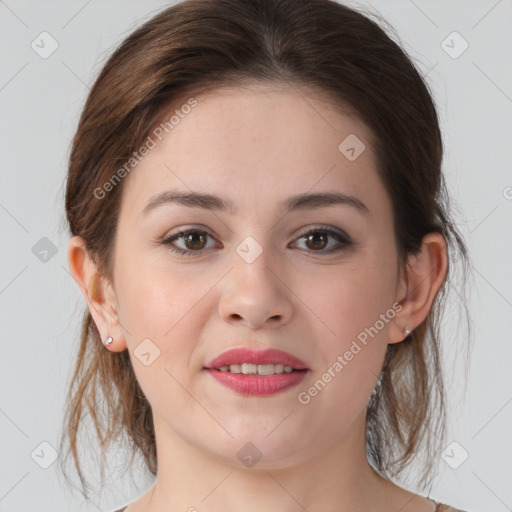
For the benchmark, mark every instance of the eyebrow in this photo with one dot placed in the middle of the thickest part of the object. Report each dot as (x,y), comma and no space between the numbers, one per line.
(293,203)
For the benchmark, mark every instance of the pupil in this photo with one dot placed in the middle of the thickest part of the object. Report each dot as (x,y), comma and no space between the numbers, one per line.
(190,240)
(315,244)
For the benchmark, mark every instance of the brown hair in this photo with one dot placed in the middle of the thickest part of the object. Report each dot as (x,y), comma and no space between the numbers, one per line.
(198,45)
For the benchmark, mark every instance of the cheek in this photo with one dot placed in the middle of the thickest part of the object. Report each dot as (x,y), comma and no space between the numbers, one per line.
(163,315)
(152,296)
(348,299)
(163,306)
(352,342)
(353,306)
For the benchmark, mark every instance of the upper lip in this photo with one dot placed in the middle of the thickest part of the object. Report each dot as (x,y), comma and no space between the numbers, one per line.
(246,355)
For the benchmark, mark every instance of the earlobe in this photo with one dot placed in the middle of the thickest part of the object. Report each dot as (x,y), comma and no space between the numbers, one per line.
(97,293)
(399,331)
(424,277)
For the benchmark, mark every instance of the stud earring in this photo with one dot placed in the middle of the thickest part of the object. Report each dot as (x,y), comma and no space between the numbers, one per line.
(407,332)
(108,341)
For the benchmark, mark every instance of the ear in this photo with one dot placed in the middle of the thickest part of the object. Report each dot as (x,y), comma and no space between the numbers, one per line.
(419,284)
(98,293)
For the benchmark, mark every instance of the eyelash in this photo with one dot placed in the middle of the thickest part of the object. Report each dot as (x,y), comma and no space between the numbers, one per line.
(343,239)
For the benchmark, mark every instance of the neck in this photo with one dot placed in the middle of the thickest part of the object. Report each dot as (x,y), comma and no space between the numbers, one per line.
(190,479)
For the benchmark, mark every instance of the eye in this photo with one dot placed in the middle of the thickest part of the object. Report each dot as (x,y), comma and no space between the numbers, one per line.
(317,239)
(193,239)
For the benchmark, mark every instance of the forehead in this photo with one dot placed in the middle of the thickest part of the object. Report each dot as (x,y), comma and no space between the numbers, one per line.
(257,145)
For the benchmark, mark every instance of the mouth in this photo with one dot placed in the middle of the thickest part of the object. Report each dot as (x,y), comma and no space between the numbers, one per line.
(257,373)
(256,362)
(258,369)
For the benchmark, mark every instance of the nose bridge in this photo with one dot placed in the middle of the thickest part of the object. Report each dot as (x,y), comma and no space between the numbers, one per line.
(255,293)
(253,263)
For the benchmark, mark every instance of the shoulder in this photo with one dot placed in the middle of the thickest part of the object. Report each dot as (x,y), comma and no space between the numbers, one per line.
(441,507)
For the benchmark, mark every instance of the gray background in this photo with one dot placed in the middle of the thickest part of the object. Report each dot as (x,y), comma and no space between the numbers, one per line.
(40,100)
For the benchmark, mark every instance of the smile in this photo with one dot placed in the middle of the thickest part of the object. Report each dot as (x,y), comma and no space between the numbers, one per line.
(257,369)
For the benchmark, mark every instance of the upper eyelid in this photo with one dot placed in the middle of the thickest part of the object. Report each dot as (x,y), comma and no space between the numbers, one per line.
(345,238)
(328,229)
(183,231)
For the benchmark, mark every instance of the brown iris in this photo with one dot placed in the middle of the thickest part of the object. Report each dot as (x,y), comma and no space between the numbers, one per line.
(319,240)
(195,240)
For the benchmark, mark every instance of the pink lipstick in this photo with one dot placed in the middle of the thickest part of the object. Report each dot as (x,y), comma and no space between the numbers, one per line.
(257,373)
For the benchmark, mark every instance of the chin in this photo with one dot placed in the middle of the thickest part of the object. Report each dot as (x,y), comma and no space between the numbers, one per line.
(261,448)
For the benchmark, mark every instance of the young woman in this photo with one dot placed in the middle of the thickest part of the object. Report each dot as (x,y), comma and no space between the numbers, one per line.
(260,230)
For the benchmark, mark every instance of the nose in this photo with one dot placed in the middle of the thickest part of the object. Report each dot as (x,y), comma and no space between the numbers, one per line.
(255,295)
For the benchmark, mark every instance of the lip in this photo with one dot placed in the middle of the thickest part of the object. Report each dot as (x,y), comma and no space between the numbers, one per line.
(267,356)
(257,385)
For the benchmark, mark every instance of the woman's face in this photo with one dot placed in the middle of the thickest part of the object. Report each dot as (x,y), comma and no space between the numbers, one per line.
(251,278)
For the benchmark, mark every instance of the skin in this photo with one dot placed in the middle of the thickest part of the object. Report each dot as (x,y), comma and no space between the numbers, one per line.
(256,146)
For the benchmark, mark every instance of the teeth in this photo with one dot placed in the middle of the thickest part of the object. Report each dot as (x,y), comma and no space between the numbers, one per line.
(257,369)
(249,369)
(235,368)
(266,369)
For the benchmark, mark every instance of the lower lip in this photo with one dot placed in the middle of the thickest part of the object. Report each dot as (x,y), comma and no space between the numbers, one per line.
(258,385)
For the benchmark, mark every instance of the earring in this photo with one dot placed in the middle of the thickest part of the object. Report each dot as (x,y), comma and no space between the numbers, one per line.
(108,341)
(407,332)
